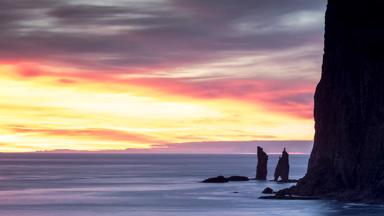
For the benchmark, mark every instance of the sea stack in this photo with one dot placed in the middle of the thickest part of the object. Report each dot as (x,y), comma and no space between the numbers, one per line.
(347,159)
(282,168)
(262,161)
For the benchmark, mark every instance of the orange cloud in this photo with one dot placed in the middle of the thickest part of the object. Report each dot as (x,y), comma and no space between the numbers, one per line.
(89,134)
(293,97)
(62,108)
(285,96)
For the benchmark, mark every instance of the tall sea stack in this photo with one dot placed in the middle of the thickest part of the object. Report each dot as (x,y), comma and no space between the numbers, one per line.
(262,162)
(347,159)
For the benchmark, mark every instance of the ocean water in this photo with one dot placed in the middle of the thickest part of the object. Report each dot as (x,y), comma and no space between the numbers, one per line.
(149,185)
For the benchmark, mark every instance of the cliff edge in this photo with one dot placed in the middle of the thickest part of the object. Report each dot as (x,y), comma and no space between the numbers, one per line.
(347,159)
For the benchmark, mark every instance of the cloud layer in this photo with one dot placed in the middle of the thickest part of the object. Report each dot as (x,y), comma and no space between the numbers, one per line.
(150,35)
(184,70)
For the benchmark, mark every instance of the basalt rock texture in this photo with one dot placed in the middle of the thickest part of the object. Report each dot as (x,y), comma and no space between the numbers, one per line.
(282,168)
(262,161)
(347,159)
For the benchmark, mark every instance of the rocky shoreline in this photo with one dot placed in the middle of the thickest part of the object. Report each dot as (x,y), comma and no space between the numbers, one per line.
(281,176)
(346,162)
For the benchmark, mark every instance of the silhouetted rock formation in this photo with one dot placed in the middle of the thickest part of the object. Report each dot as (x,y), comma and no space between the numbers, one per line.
(262,161)
(286,194)
(277,170)
(347,159)
(238,178)
(222,179)
(282,168)
(218,179)
(268,190)
(289,197)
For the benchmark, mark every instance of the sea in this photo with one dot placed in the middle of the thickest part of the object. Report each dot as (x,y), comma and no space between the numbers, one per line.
(151,185)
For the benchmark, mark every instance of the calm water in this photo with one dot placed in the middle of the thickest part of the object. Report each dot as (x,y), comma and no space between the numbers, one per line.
(141,185)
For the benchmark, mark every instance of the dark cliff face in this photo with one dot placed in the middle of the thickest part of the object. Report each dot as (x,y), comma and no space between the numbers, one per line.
(348,153)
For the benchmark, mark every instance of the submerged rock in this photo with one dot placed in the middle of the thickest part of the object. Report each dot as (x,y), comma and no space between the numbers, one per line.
(282,168)
(274,197)
(218,179)
(347,158)
(288,181)
(222,179)
(262,161)
(268,190)
(286,194)
(238,178)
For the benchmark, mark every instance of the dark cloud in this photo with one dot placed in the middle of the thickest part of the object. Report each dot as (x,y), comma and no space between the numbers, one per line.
(150,34)
(89,12)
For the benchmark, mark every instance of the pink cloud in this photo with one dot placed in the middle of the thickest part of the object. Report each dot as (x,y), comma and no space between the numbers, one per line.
(29,72)
(287,96)
(293,97)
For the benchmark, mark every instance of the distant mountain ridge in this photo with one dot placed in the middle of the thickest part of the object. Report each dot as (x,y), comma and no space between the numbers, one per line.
(218,147)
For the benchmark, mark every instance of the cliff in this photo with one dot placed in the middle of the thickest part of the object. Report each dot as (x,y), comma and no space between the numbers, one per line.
(347,159)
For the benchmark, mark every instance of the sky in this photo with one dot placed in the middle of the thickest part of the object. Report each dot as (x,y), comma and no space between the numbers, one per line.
(159,75)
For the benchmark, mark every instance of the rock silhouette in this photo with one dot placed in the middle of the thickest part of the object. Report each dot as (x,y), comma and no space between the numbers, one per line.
(282,168)
(262,161)
(218,179)
(347,160)
(268,190)
(238,178)
(222,179)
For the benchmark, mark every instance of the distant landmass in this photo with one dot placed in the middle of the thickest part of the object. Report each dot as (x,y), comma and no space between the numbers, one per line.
(219,147)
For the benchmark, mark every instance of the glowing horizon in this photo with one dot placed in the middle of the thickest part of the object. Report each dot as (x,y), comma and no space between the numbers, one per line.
(43,113)
(53,96)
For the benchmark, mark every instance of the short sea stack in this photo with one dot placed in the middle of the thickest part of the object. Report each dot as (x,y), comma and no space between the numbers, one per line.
(282,168)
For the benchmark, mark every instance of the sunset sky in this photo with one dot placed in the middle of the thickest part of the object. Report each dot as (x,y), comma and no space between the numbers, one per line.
(158,74)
